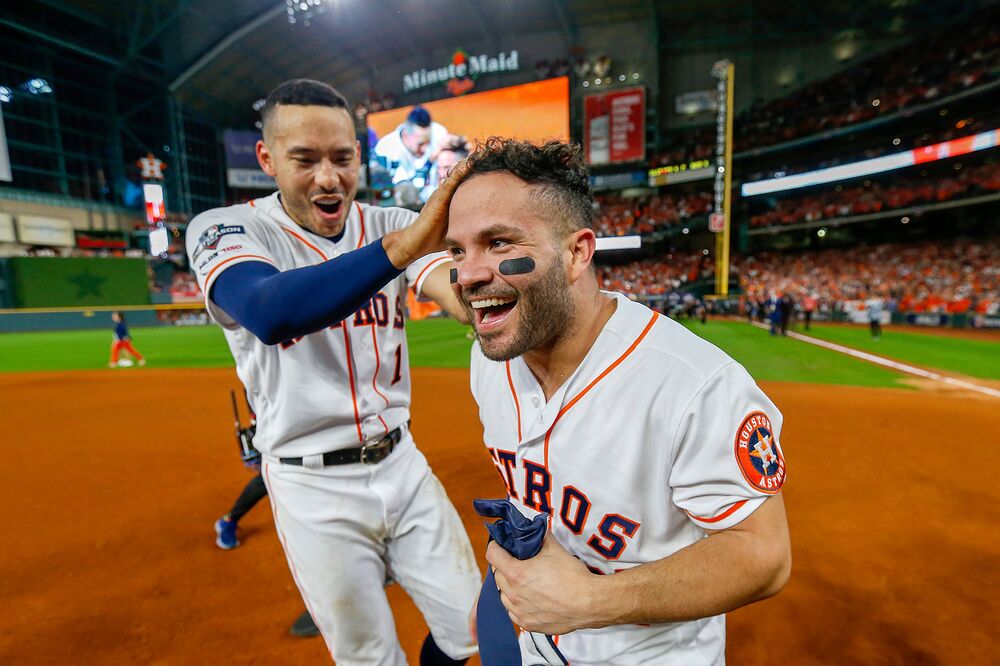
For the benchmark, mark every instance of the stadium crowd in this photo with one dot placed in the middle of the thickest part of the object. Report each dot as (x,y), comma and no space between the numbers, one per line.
(922,70)
(957,276)
(873,198)
(618,216)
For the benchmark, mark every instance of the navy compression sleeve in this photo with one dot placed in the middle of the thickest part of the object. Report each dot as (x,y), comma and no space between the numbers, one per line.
(277,306)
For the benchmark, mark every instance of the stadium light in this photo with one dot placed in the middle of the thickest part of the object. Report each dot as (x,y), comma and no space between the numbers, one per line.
(6,94)
(821,233)
(259,104)
(305,10)
(38,87)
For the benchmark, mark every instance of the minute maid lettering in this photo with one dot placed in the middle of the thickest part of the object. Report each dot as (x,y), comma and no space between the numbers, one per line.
(461,67)
(209,240)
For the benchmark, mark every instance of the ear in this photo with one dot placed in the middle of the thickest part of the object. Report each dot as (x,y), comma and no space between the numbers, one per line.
(357,149)
(581,245)
(265,159)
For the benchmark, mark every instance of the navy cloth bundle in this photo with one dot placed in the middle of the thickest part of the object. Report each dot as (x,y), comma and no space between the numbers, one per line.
(523,539)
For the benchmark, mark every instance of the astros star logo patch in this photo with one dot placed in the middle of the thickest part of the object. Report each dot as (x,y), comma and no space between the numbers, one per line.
(758,453)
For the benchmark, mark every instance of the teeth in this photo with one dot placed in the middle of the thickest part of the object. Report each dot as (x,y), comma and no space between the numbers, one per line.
(491,302)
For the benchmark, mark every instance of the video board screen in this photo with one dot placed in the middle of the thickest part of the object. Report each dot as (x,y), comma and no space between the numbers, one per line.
(413,147)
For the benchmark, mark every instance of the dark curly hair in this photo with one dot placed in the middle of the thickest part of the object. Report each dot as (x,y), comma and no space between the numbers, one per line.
(556,170)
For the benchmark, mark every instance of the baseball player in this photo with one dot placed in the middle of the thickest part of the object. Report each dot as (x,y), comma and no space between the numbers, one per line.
(409,151)
(309,286)
(653,456)
(122,341)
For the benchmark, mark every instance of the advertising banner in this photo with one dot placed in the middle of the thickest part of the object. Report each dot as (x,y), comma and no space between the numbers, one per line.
(615,126)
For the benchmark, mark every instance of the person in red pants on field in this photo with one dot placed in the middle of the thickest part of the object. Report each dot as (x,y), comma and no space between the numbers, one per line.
(122,341)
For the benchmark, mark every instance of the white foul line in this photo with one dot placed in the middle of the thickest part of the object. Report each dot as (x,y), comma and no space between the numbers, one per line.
(896,365)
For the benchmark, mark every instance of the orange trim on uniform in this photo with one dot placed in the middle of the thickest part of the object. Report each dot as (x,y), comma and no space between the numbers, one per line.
(219,265)
(578,396)
(725,514)
(517,405)
(350,379)
(361,240)
(434,264)
(252,204)
(378,364)
(307,243)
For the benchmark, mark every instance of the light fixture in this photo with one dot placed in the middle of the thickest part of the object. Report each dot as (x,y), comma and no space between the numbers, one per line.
(259,104)
(821,233)
(6,94)
(38,87)
(621,77)
(685,231)
(876,102)
(895,141)
(705,252)
(905,220)
(305,10)
(586,84)
(635,75)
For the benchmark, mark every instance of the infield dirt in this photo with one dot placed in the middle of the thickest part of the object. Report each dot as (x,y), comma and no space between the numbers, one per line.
(112,481)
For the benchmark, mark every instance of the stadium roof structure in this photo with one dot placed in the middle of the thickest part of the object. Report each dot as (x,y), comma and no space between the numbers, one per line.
(218,56)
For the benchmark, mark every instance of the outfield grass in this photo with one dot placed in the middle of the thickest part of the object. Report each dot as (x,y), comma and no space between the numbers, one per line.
(775,358)
(976,358)
(441,343)
(433,343)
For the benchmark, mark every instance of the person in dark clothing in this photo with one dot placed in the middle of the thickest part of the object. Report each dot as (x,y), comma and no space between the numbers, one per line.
(253,492)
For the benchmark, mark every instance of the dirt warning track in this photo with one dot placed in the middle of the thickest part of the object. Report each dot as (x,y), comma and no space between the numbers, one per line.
(112,481)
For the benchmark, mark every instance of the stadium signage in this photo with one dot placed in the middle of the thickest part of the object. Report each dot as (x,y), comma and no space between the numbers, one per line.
(460,74)
(678,168)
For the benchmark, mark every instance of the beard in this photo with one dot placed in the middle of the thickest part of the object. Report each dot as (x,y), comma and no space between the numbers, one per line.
(545,313)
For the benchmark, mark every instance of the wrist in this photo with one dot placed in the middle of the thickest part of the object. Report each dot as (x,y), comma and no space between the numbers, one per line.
(397,249)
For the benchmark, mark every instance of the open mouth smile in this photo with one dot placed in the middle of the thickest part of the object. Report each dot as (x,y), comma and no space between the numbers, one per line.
(490,313)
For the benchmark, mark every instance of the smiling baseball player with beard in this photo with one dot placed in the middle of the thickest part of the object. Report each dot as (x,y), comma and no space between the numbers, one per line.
(653,455)
(309,287)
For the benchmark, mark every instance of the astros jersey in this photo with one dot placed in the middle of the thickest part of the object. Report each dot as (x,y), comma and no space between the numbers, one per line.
(656,437)
(400,162)
(314,411)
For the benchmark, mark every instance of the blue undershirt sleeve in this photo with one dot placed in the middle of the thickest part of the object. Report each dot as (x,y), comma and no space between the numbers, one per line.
(277,306)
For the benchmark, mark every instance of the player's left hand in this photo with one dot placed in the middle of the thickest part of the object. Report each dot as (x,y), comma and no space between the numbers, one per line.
(551,593)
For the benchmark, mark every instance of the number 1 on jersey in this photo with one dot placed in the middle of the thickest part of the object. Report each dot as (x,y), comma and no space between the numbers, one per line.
(396,376)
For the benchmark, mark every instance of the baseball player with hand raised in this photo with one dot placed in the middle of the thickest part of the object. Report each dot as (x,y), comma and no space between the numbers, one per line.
(651,456)
(309,287)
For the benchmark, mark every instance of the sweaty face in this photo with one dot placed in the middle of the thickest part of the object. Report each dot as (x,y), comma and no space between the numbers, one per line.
(313,154)
(493,217)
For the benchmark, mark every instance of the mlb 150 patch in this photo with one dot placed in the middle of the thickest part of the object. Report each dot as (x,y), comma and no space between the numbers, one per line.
(209,239)
(758,453)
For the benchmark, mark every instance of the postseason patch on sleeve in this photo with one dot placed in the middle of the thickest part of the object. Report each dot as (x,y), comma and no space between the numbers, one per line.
(209,239)
(758,453)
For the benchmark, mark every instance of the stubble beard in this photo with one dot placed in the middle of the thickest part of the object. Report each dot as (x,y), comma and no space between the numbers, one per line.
(545,313)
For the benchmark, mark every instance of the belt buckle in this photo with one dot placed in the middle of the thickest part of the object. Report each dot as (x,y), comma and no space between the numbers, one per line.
(377,452)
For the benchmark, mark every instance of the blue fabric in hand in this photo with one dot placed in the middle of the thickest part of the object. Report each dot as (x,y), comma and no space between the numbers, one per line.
(522,538)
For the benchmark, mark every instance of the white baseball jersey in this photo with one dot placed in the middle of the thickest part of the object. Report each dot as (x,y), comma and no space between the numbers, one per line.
(315,410)
(656,437)
(401,163)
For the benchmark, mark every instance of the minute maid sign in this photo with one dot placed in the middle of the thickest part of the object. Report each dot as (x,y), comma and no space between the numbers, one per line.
(460,74)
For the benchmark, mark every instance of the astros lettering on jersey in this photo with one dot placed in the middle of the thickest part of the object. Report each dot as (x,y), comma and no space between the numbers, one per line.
(311,414)
(656,437)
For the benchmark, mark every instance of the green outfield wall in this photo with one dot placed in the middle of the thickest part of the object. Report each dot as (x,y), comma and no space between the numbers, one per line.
(51,282)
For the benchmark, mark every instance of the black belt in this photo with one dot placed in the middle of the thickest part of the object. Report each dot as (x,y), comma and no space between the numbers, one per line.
(369,454)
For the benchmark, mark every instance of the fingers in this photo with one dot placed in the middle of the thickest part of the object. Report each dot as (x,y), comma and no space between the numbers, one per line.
(499,558)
